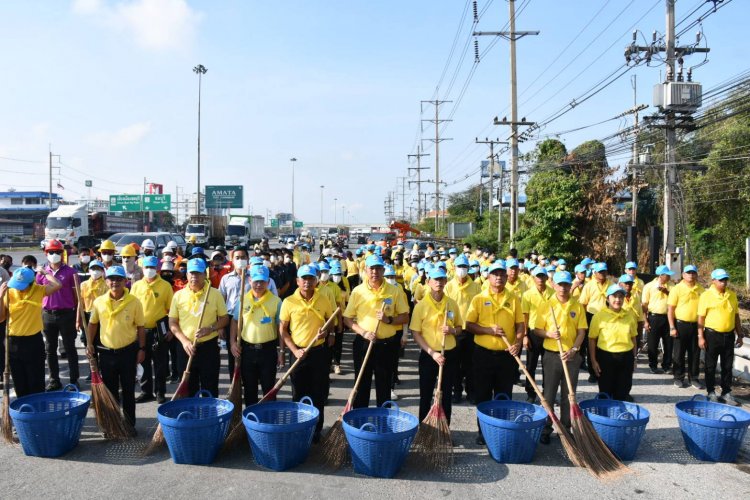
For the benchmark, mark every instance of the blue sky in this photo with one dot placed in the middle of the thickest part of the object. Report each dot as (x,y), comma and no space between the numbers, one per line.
(335,84)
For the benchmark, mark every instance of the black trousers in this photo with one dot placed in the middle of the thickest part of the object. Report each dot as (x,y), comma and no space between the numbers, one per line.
(2,346)
(659,333)
(57,324)
(585,354)
(310,378)
(84,340)
(258,367)
(534,352)
(155,365)
(338,347)
(396,355)
(204,372)
(230,356)
(554,379)
(686,342)
(617,373)
(428,373)
(353,281)
(463,374)
(495,372)
(719,344)
(174,370)
(118,370)
(27,363)
(380,364)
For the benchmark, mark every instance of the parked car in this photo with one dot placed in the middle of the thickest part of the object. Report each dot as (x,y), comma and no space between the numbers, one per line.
(160,240)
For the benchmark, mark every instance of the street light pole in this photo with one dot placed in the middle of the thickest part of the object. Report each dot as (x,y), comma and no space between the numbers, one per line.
(200,70)
(343,214)
(321,204)
(293,160)
(334,211)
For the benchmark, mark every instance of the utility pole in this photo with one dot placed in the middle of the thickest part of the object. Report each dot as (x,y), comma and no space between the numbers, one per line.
(50,176)
(200,70)
(500,211)
(419,180)
(512,36)
(321,203)
(634,170)
(403,196)
(492,176)
(437,140)
(293,161)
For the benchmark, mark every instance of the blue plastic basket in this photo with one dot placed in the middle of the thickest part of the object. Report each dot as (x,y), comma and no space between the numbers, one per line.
(620,424)
(49,424)
(280,433)
(195,428)
(712,431)
(379,438)
(511,429)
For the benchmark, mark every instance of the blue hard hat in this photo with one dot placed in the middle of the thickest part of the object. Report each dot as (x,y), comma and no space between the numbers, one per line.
(562,277)
(719,274)
(119,271)
(22,278)
(193,266)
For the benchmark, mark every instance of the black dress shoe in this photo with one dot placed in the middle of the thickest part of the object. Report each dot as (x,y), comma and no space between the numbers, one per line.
(480,440)
(544,438)
(144,398)
(160,398)
(53,385)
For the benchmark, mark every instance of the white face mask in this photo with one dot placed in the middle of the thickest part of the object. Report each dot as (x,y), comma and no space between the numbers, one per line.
(461,272)
(54,258)
(126,261)
(336,278)
(168,258)
(324,276)
(485,274)
(107,257)
(96,274)
(85,259)
(287,260)
(149,273)
(414,265)
(240,264)
(391,281)
(267,263)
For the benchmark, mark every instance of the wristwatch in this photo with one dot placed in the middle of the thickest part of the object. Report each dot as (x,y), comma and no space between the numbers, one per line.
(389,320)
(574,349)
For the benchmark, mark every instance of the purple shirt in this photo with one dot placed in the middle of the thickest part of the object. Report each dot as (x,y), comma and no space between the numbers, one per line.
(64,298)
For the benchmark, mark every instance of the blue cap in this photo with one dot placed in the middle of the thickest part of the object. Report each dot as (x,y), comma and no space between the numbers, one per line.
(335,268)
(374,260)
(626,278)
(662,270)
(483,269)
(599,267)
(529,265)
(305,271)
(358,251)
(461,260)
(429,266)
(719,274)
(587,261)
(314,267)
(511,263)
(498,265)
(371,248)
(472,270)
(22,278)
(442,265)
(437,273)
(420,266)
(539,271)
(378,250)
(613,289)
(550,268)
(580,268)
(452,250)
(256,261)
(119,271)
(561,262)
(631,265)
(688,269)
(389,271)
(196,266)
(150,261)
(196,251)
(95,263)
(323,266)
(259,273)
(562,277)
(474,262)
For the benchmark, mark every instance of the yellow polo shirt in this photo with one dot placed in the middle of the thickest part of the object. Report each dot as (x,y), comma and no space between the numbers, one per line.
(187,307)
(656,300)
(352,268)
(90,290)
(119,319)
(519,287)
(260,318)
(462,293)
(365,302)
(25,311)
(570,317)
(495,309)
(594,296)
(614,331)
(531,300)
(305,317)
(637,286)
(155,297)
(633,304)
(718,309)
(685,299)
(427,319)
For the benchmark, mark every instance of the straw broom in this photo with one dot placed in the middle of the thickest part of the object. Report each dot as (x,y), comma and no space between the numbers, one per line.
(157,441)
(433,439)
(7,424)
(599,460)
(106,408)
(235,388)
(334,444)
(237,430)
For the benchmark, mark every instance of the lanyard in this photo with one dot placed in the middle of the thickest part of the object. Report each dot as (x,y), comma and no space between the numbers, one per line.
(126,299)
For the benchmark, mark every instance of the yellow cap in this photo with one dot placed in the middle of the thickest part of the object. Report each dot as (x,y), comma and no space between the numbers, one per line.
(192,239)
(128,251)
(107,245)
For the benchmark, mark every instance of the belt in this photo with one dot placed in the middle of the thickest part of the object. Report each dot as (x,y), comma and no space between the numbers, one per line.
(58,311)
(711,330)
(491,351)
(656,314)
(310,348)
(271,344)
(685,322)
(115,351)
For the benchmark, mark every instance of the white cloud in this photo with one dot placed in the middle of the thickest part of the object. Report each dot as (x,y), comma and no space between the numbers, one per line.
(125,136)
(153,24)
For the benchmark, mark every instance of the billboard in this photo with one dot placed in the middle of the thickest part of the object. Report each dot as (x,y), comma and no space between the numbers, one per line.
(499,167)
(224,197)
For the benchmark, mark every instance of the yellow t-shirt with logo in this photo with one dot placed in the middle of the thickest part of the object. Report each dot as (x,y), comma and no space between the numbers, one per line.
(427,319)
(155,297)
(495,309)
(655,298)
(462,293)
(25,311)
(570,317)
(531,300)
(614,331)
(187,307)
(719,310)
(259,318)
(305,317)
(90,290)
(365,302)
(685,300)
(119,320)
(594,296)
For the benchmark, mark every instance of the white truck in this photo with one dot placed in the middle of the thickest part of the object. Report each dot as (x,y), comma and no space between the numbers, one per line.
(74,225)
(238,232)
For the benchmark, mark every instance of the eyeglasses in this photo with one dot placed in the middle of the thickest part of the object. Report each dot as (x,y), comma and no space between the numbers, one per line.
(55,252)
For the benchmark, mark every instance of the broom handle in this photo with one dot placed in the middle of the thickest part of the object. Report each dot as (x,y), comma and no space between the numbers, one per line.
(279,384)
(442,352)
(571,392)
(241,321)
(353,394)
(93,365)
(6,371)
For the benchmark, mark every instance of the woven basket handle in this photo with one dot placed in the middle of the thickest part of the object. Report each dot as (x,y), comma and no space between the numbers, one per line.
(306,401)
(368,426)
(391,405)
(186,415)
(626,415)
(26,408)
(203,393)
(728,415)
(501,397)
(523,418)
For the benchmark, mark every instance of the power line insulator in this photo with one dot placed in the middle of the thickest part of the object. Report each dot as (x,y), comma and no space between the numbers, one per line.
(476,16)
(476,50)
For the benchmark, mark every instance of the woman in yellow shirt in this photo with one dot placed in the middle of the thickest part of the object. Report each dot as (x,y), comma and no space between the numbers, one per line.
(612,347)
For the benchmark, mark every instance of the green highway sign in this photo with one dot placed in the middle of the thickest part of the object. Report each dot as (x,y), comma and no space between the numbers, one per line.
(224,197)
(298,224)
(274,222)
(125,203)
(157,202)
